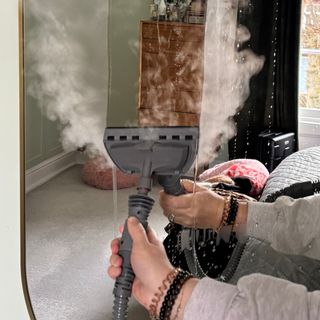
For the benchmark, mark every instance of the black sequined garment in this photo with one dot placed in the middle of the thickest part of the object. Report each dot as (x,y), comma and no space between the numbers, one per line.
(212,257)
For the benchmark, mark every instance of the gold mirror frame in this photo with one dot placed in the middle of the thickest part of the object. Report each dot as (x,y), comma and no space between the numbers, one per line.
(22,164)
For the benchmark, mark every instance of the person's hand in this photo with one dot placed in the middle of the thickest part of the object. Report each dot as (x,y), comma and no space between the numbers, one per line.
(202,209)
(221,178)
(149,262)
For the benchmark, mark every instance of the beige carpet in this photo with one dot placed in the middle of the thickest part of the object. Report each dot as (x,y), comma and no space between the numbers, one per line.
(69,228)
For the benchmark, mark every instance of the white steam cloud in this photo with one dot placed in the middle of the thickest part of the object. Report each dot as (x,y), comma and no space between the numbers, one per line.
(225,83)
(227,73)
(67,70)
(70,79)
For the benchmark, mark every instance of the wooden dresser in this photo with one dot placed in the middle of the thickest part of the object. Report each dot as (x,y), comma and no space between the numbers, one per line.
(171,73)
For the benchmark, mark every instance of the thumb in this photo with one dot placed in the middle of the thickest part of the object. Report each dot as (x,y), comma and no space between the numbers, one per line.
(152,236)
(137,232)
(188,185)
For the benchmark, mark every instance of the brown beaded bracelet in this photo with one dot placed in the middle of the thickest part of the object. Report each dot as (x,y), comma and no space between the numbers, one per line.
(172,293)
(161,290)
(228,196)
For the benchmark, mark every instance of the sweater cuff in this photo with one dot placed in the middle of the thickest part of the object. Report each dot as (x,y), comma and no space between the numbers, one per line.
(220,295)
(261,220)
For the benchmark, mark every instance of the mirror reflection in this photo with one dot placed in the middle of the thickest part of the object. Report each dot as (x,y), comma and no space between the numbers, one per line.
(243,72)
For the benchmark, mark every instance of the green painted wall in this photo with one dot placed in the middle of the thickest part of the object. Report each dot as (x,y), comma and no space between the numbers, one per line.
(42,135)
(124,21)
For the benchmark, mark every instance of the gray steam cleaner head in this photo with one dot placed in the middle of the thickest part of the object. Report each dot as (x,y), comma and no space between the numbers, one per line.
(162,151)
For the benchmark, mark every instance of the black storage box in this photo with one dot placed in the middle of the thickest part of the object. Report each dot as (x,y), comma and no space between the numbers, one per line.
(273,147)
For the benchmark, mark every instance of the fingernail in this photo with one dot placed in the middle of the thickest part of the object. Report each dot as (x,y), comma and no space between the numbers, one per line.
(133,220)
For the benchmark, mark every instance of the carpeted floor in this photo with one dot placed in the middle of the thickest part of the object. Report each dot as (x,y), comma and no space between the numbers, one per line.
(69,226)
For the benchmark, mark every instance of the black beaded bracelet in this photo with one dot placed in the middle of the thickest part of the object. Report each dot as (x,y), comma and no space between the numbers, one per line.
(172,293)
(232,211)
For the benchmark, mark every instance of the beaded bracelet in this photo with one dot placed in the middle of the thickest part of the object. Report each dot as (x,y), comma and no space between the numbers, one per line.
(227,194)
(232,211)
(172,293)
(161,290)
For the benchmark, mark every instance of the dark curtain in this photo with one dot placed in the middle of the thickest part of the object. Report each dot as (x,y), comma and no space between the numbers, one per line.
(273,103)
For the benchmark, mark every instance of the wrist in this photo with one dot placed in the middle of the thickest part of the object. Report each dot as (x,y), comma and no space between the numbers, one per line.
(218,217)
(158,298)
(172,296)
(242,215)
(183,298)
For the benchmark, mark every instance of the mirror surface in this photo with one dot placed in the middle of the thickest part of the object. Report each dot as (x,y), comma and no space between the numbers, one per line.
(69,223)
(119,63)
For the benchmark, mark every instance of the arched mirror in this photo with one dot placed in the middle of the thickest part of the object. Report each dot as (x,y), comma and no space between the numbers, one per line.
(230,67)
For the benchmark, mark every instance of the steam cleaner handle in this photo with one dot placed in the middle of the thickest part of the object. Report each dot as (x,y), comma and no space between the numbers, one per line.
(171,185)
(123,285)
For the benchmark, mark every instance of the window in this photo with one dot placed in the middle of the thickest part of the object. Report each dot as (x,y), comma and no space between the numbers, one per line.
(309,78)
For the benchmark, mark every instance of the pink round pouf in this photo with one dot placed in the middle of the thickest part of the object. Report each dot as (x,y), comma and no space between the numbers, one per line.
(97,173)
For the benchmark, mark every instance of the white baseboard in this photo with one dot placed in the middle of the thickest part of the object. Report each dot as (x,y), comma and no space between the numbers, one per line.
(46,170)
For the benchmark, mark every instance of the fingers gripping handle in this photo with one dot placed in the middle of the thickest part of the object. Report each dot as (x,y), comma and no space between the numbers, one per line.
(139,207)
(124,282)
(123,286)
(171,185)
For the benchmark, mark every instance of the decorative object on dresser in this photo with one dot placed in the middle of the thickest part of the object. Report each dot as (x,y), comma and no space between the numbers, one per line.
(171,73)
(197,12)
(188,11)
(162,10)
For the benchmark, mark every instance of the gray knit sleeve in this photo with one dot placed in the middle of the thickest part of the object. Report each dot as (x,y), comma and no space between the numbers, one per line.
(255,297)
(290,226)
